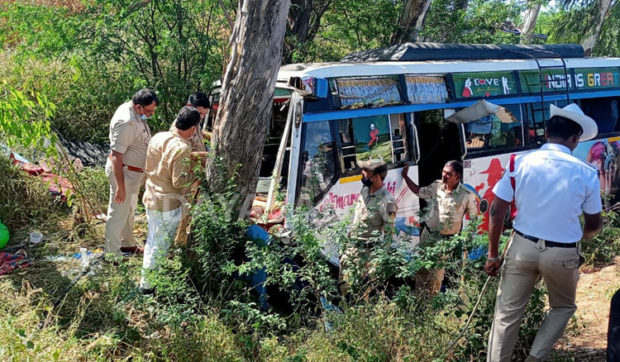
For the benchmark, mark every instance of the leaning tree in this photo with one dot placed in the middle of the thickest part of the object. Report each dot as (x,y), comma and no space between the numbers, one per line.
(246,98)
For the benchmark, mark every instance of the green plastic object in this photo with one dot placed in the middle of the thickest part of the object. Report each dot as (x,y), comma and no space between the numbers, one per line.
(4,235)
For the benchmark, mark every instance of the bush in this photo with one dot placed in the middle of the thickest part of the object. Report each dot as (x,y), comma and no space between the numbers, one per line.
(96,187)
(605,246)
(24,199)
(85,94)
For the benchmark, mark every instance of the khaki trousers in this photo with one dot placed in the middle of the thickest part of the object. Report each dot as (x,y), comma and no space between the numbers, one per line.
(524,262)
(119,226)
(428,282)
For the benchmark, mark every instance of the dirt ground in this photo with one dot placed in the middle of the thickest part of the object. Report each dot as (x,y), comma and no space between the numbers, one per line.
(586,335)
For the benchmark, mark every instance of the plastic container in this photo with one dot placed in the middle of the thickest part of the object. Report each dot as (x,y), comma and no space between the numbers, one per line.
(84,258)
(36,237)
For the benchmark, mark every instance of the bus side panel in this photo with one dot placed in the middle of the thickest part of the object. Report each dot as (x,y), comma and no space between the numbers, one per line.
(604,154)
(480,175)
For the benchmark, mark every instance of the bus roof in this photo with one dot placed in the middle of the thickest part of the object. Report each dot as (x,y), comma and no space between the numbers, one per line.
(339,69)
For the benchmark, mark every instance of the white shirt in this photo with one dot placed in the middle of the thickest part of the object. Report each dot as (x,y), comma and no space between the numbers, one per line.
(552,188)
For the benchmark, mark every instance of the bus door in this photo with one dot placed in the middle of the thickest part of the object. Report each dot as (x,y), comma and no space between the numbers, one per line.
(440,142)
(271,189)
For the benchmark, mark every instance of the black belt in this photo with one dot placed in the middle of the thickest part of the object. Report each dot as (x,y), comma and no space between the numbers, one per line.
(423,226)
(550,244)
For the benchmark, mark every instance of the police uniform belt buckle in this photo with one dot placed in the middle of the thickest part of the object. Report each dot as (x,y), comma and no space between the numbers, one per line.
(134,169)
(546,243)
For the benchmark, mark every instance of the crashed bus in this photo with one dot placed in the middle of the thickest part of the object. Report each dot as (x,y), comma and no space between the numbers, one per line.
(422,105)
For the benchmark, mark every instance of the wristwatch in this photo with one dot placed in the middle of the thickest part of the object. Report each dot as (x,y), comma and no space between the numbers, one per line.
(492,260)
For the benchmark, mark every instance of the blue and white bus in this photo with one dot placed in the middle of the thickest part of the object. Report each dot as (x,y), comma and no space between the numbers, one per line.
(425,105)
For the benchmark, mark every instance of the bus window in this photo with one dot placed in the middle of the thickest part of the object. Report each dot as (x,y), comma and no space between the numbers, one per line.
(400,148)
(318,166)
(536,121)
(499,130)
(604,111)
(377,137)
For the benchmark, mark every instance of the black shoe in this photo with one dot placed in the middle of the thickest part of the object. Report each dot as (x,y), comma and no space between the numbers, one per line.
(135,250)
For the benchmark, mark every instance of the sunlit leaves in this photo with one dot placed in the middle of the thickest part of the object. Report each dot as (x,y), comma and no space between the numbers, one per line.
(24,120)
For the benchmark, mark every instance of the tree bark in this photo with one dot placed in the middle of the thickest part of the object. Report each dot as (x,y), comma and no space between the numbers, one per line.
(246,99)
(603,7)
(411,21)
(531,16)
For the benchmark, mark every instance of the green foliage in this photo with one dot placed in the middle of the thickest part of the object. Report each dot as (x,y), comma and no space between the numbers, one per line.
(167,45)
(81,61)
(567,25)
(348,26)
(96,187)
(24,121)
(478,24)
(605,246)
(84,95)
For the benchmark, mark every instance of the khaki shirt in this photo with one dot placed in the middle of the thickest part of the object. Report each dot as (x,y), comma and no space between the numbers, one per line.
(447,208)
(168,172)
(129,135)
(373,213)
(196,140)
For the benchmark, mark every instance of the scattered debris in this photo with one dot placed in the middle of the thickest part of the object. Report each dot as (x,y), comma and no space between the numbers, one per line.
(10,262)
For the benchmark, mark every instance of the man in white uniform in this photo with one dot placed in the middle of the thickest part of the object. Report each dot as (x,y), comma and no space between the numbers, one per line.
(551,189)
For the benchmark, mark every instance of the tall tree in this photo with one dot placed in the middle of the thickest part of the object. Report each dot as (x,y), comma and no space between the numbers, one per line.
(411,21)
(246,100)
(601,13)
(531,15)
(304,21)
(593,23)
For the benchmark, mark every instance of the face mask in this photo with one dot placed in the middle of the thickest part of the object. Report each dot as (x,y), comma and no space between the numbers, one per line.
(144,117)
(366,182)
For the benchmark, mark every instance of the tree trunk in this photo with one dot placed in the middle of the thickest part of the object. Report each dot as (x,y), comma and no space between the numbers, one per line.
(299,18)
(304,20)
(603,7)
(246,99)
(411,21)
(461,4)
(531,16)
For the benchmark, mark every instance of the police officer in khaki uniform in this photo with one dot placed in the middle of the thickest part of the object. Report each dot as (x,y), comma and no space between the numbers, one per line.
(129,139)
(200,101)
(449,200)
(374,217)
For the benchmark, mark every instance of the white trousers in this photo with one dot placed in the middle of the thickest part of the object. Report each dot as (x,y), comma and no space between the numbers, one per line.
(162,229)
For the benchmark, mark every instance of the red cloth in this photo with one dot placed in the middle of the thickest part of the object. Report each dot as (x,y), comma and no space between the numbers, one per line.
(55,184)
(10,262)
